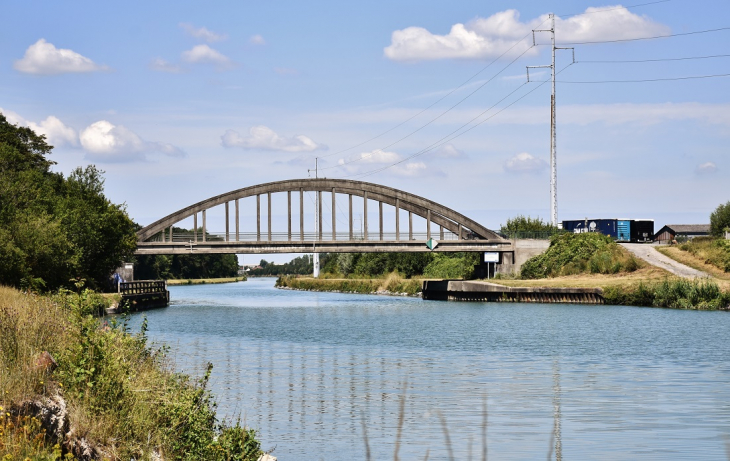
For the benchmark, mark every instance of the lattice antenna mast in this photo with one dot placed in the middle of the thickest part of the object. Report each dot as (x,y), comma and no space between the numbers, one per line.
(553,134)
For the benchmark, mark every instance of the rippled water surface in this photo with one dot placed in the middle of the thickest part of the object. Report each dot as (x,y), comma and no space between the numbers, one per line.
(317,373)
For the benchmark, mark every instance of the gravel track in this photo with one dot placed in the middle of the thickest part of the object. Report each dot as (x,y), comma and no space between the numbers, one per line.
(649,254)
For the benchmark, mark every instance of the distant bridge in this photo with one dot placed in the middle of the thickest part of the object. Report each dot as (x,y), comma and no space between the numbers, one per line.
(452,230)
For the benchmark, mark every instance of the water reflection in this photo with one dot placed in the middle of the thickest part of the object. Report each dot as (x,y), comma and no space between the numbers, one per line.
(306,369)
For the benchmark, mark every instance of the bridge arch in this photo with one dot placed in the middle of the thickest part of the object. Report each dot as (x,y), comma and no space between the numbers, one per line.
(456,223)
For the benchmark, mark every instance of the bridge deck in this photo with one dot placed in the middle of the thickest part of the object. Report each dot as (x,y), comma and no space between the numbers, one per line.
(338,246)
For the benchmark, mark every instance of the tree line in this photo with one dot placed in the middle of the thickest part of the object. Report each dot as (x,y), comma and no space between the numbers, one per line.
(55,228)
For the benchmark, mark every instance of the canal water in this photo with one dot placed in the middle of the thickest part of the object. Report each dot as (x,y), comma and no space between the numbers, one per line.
(323,375)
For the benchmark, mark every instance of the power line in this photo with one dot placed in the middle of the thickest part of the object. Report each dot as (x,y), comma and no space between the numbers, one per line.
(657,60)
(646,80)
(647,38)
(474,76)
(444,140)
(442,98)
(613,9)
(439,116)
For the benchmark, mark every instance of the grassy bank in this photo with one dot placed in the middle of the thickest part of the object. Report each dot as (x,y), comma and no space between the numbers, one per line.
(595,261)
(590,253)
(392,283)
(111,394)
(705,254)
(205,281)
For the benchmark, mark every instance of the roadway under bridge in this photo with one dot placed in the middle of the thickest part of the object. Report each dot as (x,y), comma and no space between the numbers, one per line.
(451,230)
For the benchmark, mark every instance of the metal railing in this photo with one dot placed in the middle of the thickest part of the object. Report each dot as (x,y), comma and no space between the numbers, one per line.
(188,237)
(141,287)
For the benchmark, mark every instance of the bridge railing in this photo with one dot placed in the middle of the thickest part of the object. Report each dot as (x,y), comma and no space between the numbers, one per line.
(186,237)
(142,287)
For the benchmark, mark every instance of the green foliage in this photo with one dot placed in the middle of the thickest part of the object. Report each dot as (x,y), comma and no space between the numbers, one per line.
(119,392)
(713,251)
(720,220)
(451,266)
(301,265)
(375,264)
(196,266)
(393,283)
(674,294)
(54,228)
(570,254)
(525,226)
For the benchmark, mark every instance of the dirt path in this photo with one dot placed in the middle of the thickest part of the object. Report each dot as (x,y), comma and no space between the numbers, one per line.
(649,254)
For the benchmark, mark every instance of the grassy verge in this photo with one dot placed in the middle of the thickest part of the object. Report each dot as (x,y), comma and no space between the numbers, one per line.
(113,395)
(708,255)
(392,283)
(590,253)
(205,281)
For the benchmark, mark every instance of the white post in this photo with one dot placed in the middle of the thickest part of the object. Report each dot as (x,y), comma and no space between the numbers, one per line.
(315,256)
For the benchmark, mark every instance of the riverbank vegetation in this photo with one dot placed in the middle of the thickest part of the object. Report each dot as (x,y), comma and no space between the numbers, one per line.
(391,284)
(571,254)
(185,267)
(72,385)
(207,281)
(55,228)
(527,227)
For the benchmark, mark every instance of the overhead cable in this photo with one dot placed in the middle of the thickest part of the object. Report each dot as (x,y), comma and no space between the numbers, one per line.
(682,34)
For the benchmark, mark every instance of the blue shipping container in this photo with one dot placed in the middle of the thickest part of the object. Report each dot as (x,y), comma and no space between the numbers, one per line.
(624,231)
(604,226)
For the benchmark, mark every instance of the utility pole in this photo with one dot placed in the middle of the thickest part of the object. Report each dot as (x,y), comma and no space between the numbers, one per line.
(553,123)
(315,255)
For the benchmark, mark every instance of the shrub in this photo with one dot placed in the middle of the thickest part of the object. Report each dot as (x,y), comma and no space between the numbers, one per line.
(571,254)
(720,220)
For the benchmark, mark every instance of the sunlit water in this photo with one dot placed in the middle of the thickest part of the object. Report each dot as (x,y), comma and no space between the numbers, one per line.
(315,372)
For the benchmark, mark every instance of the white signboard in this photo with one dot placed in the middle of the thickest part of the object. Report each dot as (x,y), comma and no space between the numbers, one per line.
(491,256)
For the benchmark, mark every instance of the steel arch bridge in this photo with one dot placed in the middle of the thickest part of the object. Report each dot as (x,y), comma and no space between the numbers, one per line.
(452,230)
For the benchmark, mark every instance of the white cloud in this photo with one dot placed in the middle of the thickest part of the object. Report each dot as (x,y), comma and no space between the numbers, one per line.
(206,54)
(706,168)
(492,36)
(160,65)
(367,161)
(257,40)
(525,163)
(56,132)
(202,33)
(42,58)
(448,151)
(104,141)
(264,138)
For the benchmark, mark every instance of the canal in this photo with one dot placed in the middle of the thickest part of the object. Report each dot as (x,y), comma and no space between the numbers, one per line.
(318,373)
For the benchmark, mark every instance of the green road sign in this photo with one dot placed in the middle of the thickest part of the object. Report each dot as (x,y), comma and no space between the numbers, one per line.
(431,244)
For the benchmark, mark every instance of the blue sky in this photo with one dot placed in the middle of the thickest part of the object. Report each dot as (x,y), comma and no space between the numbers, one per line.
(180,101)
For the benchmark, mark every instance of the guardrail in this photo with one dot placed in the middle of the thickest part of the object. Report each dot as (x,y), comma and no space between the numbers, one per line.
(188,237)
(142,287)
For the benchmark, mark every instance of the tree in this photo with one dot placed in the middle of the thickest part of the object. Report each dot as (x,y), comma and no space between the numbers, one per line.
(53,228)
(720,220)
(521,223)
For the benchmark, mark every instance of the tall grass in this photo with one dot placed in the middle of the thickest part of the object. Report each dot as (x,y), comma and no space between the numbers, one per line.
(392,283)
(121,396)
(713,251)
(571,254)
(702,294)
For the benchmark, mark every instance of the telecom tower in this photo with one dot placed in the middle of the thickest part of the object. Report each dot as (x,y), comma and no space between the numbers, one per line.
(553,136)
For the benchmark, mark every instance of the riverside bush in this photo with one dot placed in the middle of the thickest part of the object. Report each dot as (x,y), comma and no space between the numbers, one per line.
(672,293)
(715,252)
(121,395)
(571,254)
